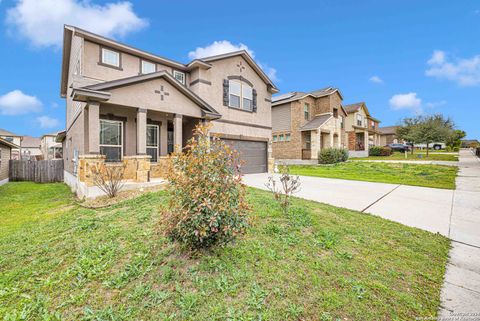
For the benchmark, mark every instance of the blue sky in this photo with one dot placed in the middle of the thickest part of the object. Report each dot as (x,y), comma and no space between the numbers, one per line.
(400,57)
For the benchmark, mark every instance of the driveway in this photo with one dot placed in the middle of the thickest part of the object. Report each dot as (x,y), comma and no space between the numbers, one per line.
(422,207)
(454,214)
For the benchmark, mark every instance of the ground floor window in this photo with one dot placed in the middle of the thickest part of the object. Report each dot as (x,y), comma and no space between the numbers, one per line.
(152,142)
(111,133)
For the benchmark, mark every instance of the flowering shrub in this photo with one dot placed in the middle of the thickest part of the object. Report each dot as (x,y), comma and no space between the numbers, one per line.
(207,200)
(332,155)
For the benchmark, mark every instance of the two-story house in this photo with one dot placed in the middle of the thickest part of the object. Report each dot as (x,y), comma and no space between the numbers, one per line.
(131,106)
(306,122)
(14,139)
(49,147)
(361,129)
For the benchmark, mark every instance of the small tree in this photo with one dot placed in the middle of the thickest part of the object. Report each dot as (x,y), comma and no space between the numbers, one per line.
(207,198)
(109,178)
(289,185)
(454,140)
(426,129)
(407,130)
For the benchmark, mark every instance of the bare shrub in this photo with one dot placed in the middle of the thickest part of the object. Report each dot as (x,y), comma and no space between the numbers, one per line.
(288,186)
(109,178)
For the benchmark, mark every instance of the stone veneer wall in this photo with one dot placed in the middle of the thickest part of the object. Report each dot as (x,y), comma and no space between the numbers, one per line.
(137,168)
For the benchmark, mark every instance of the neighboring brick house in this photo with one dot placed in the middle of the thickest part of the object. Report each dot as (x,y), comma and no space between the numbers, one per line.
(14,139)
(5,156)
(303,123)
(388,135)
(125,105)
(361,129)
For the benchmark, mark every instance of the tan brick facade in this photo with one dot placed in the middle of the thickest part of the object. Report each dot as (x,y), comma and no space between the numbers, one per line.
(332,132)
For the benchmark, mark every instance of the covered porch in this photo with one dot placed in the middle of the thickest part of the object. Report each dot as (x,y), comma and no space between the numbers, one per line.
(313,141)
(137,123)
(358,142)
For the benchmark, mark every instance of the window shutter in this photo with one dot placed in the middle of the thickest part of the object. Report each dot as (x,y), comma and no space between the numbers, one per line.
(225,92)
(254,102)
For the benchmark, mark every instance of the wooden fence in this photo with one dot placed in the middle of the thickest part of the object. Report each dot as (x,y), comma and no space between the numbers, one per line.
(44,171)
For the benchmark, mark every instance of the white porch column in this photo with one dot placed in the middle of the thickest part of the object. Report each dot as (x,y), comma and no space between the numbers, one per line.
(141,131)
(93,127)
(177,132)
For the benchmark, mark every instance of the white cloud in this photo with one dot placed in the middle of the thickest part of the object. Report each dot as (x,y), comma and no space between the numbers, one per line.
(218,48)
(225,46)
(435,104)
(48,122)
(438,57)
(41,21)
(465,72)
(376,79)
(18,103)
(408,101)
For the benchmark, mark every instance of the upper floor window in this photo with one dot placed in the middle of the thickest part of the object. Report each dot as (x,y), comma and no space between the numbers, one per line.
(240,95)
(342,122)
(9,139)
(148,67)
(373,124)
(335,112)
(110,57)
(274,138)
(359,120)
(287,137)
(306,111)
(180,76)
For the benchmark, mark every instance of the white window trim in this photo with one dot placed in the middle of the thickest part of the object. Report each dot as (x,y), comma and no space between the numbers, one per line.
(158,139)
(175,72)
(107,63)
(240,96)
(121,136)
(148,62)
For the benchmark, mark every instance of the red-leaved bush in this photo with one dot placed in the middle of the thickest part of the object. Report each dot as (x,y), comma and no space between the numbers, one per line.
(207,199)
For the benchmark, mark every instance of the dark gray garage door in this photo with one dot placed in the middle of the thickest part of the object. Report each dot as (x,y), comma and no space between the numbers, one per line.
(254,155)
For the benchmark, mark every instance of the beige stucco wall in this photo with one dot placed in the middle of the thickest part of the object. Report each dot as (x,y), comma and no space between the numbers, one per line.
(130,64)
(213,94)
(4,158)
(142,95)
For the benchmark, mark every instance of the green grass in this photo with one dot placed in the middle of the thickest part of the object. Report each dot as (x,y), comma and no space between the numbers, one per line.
(320,263)
(396,173)
(401,156)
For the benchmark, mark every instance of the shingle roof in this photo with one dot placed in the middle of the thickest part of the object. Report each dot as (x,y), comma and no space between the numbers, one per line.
(353,107)
(7,143)
(292,96)
(5,132)
(388,130)
(30,142)
(316,122)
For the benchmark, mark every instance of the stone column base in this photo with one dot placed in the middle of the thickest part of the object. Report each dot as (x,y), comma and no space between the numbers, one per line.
(87,164)
(137,168)
(271,165)
(159,169)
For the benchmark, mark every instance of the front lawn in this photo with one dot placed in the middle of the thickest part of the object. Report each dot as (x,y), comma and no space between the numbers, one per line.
(417,156)
(323,263)
(396,173)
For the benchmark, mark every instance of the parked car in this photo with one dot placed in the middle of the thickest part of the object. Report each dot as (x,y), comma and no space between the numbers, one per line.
(399,147)
(435,146)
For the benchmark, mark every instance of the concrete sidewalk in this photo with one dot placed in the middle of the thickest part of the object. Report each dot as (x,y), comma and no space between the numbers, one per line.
(461,288)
